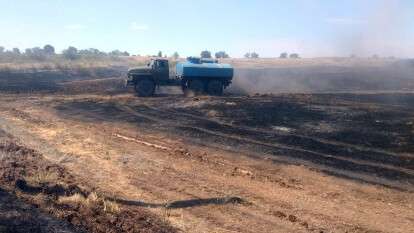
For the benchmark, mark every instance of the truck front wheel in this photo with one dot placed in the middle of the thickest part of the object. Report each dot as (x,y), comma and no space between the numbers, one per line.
(215,87)
(145,87)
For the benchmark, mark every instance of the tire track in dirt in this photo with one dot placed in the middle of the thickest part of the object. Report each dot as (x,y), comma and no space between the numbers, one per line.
(191,184)
(282,213)
(404,163)
(363,149)
(201,213)
(160,187)
(200,183)
(298,140)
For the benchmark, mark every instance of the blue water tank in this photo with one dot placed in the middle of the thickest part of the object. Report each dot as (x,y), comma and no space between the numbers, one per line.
(196,67)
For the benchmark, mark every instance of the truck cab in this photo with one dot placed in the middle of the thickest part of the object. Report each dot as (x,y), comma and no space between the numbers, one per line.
(146,78)
(160,69)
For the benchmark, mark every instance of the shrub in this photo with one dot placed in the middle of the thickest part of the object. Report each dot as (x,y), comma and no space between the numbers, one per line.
(49,50)
(283,55)
(205,54)
(16,51)
(176,55)
(294,56)
(222,54)
(71,53)
(254,55)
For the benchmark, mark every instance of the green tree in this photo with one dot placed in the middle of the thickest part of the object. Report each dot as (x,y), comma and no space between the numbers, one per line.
(176,55)
(84,52)
(16,51)
(38,54)
(205,54)
(294,56)
(159,54)
(92,52)
(254,55)
(222,54)
(71,53)
(247,55)
(49,50)
(283,55)
(28,52)
(116,53)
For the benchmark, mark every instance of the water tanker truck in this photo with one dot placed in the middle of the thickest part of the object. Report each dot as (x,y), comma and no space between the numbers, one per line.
(195,75)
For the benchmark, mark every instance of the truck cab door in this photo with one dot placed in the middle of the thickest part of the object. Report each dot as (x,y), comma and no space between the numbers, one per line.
(161,70)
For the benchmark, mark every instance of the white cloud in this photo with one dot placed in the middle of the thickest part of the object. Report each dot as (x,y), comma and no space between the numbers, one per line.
(138,27)
(75,27)
(345,21)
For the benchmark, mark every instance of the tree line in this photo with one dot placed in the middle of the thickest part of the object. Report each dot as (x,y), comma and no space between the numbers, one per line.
(48,51)
(72,53)
(203,54)
(253,55)
(223,54)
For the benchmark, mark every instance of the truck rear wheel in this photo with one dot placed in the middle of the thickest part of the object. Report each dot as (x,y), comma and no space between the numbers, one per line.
(215,87)
(145,87)
(196,86)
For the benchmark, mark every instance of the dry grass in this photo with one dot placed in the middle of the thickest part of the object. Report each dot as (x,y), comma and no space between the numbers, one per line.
(111,207)
(92,200)
(42,177)
(74,199)
(64,64)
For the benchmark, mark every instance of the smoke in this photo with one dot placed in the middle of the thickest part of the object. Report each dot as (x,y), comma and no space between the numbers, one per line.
(380,32)
(331,75)
(383,30)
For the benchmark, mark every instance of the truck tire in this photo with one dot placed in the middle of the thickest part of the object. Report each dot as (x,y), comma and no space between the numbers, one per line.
(215,87)
(196,86)
(145,87)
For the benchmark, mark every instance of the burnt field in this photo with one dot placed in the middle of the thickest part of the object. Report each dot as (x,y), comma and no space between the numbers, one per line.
(367,137)
(314,162)
(68,81)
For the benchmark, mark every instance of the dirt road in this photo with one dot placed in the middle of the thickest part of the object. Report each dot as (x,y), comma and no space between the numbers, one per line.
(285,163)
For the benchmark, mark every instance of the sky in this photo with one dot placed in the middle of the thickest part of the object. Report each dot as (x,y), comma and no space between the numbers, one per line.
(312,28)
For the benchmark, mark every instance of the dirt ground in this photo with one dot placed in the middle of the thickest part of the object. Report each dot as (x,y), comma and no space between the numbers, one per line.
(37,195)
(263,163)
